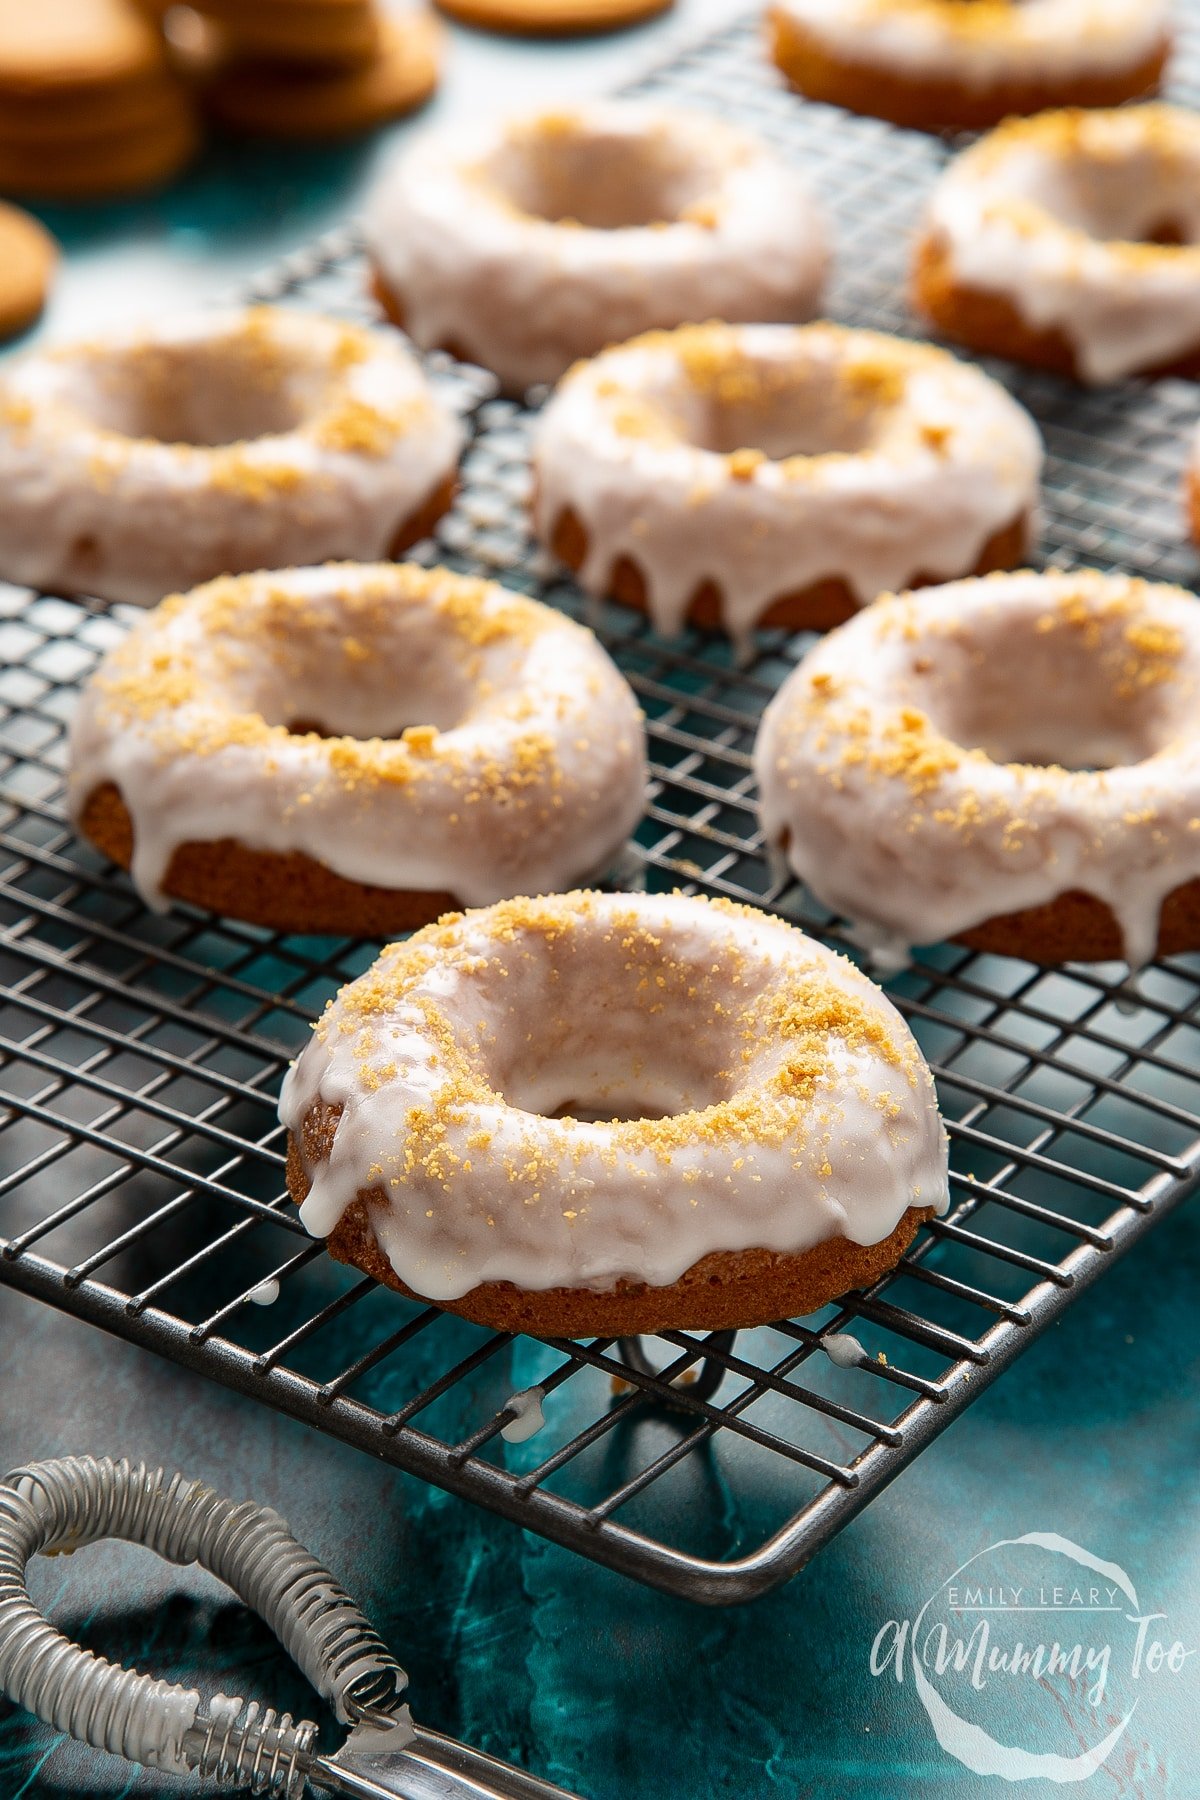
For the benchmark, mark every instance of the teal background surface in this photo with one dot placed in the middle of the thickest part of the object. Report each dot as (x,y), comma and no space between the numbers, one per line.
(512,1643)
(615,1691)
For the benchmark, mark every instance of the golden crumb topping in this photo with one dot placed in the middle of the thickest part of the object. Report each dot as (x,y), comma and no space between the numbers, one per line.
(817,1032)
(353,426)
(182,674)
(1135,650)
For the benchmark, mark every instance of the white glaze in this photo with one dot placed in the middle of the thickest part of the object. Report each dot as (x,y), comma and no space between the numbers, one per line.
(1048,213)
(1099,669)
(354,444)
(527,1418)
(450,1057)
(843,1349)
(984,44)
(947,460)
(736,234)
(534,775)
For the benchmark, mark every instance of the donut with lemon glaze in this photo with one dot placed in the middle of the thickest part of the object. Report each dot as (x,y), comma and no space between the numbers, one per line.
(525,244)
(779,475)
(943,65)
(148,460)
(354,748)
(613,1113)
(1071,241)
(911,769)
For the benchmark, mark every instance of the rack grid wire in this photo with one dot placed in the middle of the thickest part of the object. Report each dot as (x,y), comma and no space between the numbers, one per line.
(141,1168)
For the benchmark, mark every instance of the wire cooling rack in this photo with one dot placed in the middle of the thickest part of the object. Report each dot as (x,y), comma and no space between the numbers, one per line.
(141,1164)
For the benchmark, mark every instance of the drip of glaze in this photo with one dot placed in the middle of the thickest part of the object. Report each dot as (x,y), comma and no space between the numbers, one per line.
(1128,997)
(527,1417)
(843,1349)
(887,952)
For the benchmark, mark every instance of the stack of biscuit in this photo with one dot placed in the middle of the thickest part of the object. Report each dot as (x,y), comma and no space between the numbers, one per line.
(311,69)
(88,104)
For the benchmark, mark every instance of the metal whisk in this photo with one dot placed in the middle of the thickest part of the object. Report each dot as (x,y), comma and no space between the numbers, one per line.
(58,1506)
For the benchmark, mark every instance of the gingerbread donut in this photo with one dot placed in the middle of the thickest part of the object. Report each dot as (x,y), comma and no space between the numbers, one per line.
(776,475)
(942,65)
(1012,762)
(524,245)
(1072,241)
(612,1113)
(149,460)
(355,748)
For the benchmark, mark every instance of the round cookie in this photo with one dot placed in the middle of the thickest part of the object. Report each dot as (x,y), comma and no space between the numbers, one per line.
(303,103)
(52,48)
(254,748)
(608,1114)
(104,166)
(316,31)
(553,18)
(1013,763)
(28,255)
(91,114)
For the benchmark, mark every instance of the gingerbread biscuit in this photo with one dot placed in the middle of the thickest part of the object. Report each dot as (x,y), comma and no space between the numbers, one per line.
(53,48)
(553,18)
(39,123)
(275,100)
(28,255)
(317,31)
(100,167)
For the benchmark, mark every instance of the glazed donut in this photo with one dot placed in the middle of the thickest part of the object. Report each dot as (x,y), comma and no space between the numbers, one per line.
(353,749)
(148,460)
(1011,762)
(775,475)
(942,65)
(612,1113)
(528,244)
(1072,241)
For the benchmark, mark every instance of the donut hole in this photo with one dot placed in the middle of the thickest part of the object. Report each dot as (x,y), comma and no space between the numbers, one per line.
(594,1058)
(610,1108)
(627,1078)
(805,408)
(600,1028)
(397,676)
(1052,698)
(367,714)
(222,390)
(602,180)
(1140,197)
